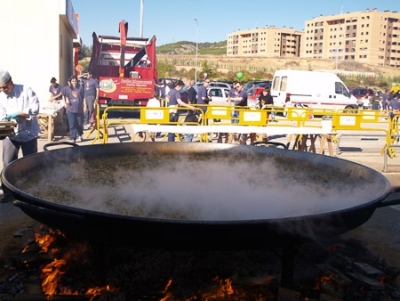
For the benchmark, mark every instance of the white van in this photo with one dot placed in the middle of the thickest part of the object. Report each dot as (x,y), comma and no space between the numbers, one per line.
(317,89)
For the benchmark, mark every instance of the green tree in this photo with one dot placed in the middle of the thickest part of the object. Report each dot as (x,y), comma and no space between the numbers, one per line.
(84,52)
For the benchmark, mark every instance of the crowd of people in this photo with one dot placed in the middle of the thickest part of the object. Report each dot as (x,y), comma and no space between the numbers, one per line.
(237,97)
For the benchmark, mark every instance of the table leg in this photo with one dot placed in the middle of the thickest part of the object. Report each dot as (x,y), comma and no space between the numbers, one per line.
(323,140)
(312,139)
(50,133)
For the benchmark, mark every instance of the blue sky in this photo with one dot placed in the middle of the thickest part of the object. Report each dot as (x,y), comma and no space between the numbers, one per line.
(173,20)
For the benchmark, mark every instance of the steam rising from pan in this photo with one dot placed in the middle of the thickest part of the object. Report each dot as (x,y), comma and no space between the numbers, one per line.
(214,187)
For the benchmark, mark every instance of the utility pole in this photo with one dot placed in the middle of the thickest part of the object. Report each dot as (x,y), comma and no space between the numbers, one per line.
(197,47)
(141,19)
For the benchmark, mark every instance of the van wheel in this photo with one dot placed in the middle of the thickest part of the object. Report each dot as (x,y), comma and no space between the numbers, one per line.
(350,109)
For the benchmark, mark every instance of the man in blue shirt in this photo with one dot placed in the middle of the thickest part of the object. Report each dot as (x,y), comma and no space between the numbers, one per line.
(20,104)
(175,100)
(91,95)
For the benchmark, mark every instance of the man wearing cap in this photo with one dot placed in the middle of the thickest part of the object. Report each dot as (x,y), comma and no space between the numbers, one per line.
(91,95)
(20,104)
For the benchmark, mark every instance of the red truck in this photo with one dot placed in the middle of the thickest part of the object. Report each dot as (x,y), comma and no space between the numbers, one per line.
(125,67)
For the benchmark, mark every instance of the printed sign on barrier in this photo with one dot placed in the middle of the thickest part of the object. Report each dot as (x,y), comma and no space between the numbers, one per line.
(219,112)
(253,117)
(346,122)
(156,115)
(370,116)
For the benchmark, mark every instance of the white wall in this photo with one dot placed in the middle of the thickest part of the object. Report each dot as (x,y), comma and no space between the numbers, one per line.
(30,43)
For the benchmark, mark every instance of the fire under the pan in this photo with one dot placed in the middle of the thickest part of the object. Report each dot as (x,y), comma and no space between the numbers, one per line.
(211,186)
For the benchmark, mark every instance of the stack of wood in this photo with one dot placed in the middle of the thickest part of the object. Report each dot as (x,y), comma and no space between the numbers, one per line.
(7,128)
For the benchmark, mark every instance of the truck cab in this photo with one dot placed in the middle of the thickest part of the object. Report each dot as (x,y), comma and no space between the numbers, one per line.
(125,67)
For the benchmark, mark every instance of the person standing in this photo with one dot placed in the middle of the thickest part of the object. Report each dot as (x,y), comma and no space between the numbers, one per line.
(192,94)
(264,102)
(385,100)
(91,94)
(395,105)
(233,92)
(191,116)
(375,101)
(174,100)
(241,101)
(202,96)
(75,104)
(55,91)
(18,103)
(203,99)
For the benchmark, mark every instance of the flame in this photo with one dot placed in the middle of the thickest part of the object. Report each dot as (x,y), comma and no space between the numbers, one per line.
(53,273)
(167,286)
(168,296)
(97,291)
(25,249)
(44,240)
(224,289)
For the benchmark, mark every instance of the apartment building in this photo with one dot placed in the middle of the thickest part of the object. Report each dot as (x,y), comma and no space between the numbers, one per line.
(369,37)
(268,41)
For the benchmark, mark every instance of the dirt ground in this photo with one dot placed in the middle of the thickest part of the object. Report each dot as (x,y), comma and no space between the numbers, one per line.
(282,63)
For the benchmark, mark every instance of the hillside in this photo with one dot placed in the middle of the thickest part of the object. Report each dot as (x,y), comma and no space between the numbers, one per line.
(182,53)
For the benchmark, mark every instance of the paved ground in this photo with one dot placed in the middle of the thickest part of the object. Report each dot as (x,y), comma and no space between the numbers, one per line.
(380,233)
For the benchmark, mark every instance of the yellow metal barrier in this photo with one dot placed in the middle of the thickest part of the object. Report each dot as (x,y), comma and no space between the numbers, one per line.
(392,138)
(342,120)
(148,115)
(98,126)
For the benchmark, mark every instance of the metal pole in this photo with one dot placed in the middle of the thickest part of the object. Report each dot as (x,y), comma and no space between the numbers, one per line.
(141,19)
(197,46)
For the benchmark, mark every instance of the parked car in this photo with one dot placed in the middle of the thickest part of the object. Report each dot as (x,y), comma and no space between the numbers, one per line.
(219,95)
(214,84)
(167,80)
(362,92)
(252,95)
(265,84)
(253,83)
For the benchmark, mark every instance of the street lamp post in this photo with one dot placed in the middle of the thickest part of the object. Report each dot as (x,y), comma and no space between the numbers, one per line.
(197,46)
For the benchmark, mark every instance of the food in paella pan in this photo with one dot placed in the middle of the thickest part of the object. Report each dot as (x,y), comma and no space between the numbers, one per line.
(199,186)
